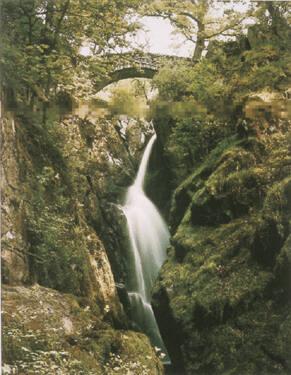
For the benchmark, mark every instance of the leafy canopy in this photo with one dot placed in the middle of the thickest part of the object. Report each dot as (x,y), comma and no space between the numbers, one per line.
(41,41)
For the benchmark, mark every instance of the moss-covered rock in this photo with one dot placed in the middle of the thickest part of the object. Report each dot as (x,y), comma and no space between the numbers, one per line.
(49,332)
(57,240)
(226,284)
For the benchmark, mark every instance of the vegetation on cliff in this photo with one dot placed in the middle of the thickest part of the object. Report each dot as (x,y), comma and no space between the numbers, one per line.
(226,285)
(220,171)
(61,173)
(228,274)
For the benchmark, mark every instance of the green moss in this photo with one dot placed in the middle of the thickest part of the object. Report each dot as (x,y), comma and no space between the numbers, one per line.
(228,274)
(278,198)
(230,171)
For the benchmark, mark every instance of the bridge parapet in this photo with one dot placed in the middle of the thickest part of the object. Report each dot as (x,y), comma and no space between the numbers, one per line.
(142,60)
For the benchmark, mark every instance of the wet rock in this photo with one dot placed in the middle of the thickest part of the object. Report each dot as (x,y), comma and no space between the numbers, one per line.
(172,336)
(123,296)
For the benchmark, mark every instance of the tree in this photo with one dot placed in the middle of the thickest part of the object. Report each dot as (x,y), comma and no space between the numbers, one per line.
(198,20)
(41,40)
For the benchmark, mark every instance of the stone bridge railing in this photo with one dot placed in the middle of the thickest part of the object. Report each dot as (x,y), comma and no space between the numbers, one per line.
(144,60)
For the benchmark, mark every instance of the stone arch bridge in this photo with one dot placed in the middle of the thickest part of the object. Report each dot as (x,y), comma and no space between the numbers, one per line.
(134,65)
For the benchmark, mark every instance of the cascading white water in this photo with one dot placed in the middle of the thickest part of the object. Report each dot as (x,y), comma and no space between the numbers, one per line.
(149,238)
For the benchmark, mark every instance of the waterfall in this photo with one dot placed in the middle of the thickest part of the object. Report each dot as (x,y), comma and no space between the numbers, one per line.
(149,238)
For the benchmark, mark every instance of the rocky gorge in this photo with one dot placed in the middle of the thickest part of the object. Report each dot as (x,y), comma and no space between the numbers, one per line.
(45,210)
(148,233)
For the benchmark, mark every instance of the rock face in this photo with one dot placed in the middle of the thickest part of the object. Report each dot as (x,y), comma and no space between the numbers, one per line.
(50,332)
(28,192)
(225,288)
(14,249)
(61,307)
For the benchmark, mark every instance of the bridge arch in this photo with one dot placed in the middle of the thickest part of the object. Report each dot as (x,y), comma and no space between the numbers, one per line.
(135,65)
(130,72)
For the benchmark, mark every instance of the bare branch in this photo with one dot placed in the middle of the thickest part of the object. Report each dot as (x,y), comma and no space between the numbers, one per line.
(189,15)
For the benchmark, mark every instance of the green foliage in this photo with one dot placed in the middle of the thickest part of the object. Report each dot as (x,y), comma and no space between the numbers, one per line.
(123,101)
(186,140)
(190,99)
(172,81)
(43,40)
(199,104)
(202,81)
(195,21)
(43,141)
(58,253)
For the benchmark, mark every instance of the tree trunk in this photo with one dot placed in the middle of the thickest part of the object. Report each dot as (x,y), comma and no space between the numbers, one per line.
(200,43)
